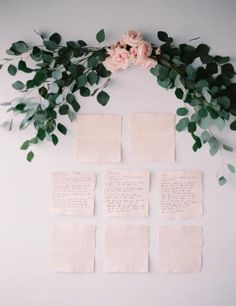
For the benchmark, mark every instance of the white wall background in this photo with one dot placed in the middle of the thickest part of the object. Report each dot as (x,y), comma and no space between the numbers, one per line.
(25,277)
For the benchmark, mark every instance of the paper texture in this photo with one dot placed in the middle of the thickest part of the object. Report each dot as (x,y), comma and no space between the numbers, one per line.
(72,247)
(180,194)
(152,137)
(126,193)
(180,248)
(99,139)
(126,248)
(73,193)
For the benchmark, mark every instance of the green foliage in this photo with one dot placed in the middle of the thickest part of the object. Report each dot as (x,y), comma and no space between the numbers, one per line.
(30,156)
(12,70)
(222,180)
(103,98)
(100,36)
(64,74)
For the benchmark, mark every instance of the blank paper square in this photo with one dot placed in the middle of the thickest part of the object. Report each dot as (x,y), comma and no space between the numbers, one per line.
(180,248)
(126,248)
(126,193)
(180,194)
(99,139)
(72,247)
(73,193)
(152,137)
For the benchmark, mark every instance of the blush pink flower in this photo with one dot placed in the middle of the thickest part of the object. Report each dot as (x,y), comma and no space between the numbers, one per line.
(131,38)
(119,58)
(148,63)
(133,53)
(144,50)
(143,60)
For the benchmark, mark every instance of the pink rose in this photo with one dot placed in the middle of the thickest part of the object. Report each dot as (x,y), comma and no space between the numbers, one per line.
(133,52)
(131,38)
(148,63)
(119,58)
(144,51)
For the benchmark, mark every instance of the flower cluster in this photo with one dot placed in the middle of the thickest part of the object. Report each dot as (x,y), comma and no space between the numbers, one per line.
(132,49)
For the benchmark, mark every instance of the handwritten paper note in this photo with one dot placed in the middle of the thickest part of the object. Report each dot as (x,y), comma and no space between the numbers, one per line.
(99,139)
(180,194)
(72,247)
(73,193)
(126,193)
(180,248)
(126,248)
(152,137)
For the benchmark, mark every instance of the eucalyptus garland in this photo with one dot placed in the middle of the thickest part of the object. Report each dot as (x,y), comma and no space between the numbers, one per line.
(60,73)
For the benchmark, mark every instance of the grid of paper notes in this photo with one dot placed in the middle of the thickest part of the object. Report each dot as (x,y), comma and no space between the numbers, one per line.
(126,248)
(72,247)
(73,193)
(180,194)
(126,193)
(180,248)
(99,139)
(152,137)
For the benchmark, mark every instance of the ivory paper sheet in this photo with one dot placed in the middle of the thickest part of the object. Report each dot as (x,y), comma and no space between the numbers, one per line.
(180,194)
(72,247)
(73,193)
(152,137)
(126,248)
(126,193)
(180,248)
(99,139)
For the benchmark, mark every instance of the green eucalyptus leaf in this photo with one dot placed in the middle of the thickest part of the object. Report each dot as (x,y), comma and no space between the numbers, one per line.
(103,98)
(55,139)
(202,113)
(81,81)
(231,168)
(222,180)
(182,111)
(179,93)
(100,36)
(224,102)
(228,148)
(12,70)
(22,67)
(55,37)
(182,124)
(214,146)
(206,94)
(205,136)
(233,126)
(63,110)
(61,128)
(53,88)
(18,85)
(30,156)
(201,84)
(19,47)
(220,123)
(50,45)
(57,75)
(162,36)
(192,127)
(41,134)
(92,62)
(228,70)
(25,145)
(84,91)
(92,78)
